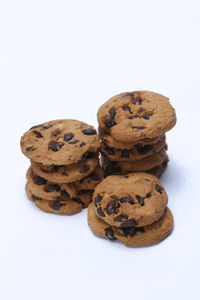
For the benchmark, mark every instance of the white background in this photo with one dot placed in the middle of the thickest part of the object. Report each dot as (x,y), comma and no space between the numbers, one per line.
(63,59)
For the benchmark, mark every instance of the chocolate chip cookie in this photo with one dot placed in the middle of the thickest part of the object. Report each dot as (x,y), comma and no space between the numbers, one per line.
(65,173)
(112,143)
(132,236)
(61,206)
(60,142)
(144,164)
(137,152)
(133,200)
(133,116)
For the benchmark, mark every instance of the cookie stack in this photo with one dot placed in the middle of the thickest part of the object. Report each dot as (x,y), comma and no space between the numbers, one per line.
(132,129)
(131,208)
(64,165)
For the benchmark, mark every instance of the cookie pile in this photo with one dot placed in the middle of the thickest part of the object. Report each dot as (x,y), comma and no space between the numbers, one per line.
(64,165)
(131,208)
(132,129)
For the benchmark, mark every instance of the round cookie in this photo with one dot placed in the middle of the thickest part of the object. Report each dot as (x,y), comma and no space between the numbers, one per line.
(112,143)
(65,173)
(143,164)
(49,190)
(130,117)
(60,142)
(132,200)
(132,236)
(61,206)
(139,151)
(111,168)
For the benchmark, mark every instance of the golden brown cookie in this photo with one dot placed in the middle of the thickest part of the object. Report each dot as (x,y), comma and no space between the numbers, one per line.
(52,191)
(65,173)
(60,142)
(132,200)
(139,151)
(112,143)
(143,164)
(132,236)
(49,190)
(61,206)
(112,169)
(131,117)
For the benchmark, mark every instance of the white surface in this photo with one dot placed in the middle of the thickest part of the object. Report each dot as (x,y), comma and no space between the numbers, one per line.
(63,59)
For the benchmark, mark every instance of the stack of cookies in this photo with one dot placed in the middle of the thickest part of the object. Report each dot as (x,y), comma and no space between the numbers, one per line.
(64,165)
(132,129)
(131,208)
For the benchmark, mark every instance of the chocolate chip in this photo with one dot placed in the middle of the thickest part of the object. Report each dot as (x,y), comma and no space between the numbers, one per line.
(120,218)
(94,177)
(56,133)
(36,126)
(87,156)
(134,231)
(64,174)
(56,205)
(36,198)
(159,189)
(143,149)
(127,200)
(51,188)
(73,142)
(97,199)
(54,146)
(149,195)
(125,153)
(126,108)
(140,199)
(138,127)
(137,100)
(82,144)
(110,151)
(100,212)
(109,233)
(38,135)
(57,168)
(68,137)
(129,223)
(126,176)
(85,169)
(89,131)
(112,208)
(77,200)
(47,126)
(125,231)
(31,148)
(110,121)
(64,194)
(39,180)
(147,116)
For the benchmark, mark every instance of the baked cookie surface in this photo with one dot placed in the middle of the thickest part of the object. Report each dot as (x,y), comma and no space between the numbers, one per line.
(137,152)
(130,117)
(60,142)
(65,173)
(132,236)
(52,191)
(132,200)
(144,164)
(61,206)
